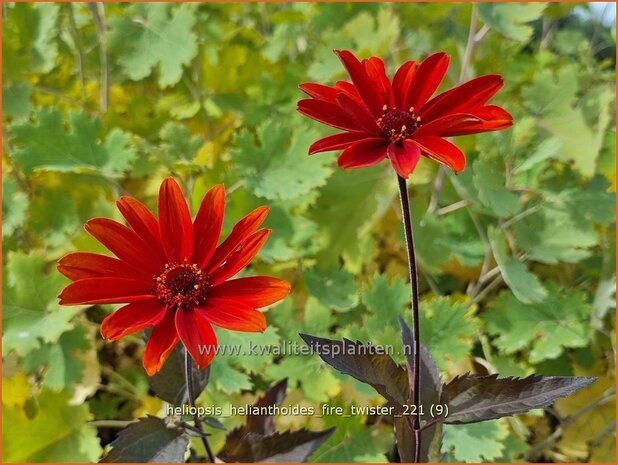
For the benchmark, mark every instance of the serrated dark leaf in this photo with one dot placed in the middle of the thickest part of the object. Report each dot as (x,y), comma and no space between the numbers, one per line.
(148,440)
(473,398)
(169,383)
(376,369)
(261,424)
(290,446)
(431,387)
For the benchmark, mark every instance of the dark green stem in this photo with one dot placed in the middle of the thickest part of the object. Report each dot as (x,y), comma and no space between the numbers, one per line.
(196,416)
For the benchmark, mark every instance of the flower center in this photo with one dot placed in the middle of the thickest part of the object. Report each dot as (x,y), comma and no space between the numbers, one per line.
(182,285)
(397,125)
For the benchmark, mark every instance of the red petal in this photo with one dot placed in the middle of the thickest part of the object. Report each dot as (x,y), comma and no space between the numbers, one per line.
(175,221)
(132,318)
(243,229)
(446,126)
(494,118)
(207,225)
(401,83)
(319,91)
(364,85)
(358,113)
(336,142)
(443,152)
(374,67)
(125,244)
(105,291)
(349,89)
(364,153)
(162,341)
(232,315)
(80,265)
(197,335)
(143,222)
(327,113)
(404,157)
(463,98)
(240,257)
(255,291)
(426,80)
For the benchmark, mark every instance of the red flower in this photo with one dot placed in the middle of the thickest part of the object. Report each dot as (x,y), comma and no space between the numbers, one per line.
(397,119)
(172,274)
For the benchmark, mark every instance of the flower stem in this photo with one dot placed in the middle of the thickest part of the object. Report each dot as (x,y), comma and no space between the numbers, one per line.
(191,395)
(415,376)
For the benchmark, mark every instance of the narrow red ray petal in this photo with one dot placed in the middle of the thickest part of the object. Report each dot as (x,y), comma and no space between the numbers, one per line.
(367,152)
(320,91)
(197,335)
(443,152)
(143,222)
(336,142)
(463,98)
(233,315)
(447,126)
(105,291)
(401,83)
(404,157)
(376,71)
(125,244)
(254,291)
(243,229)
(426,80)
(132,318)
(364,85)
(327,113)
(175,221)
(349,89)
(161,342)
(80,265)
(207,225)
(358,113)
(240,257)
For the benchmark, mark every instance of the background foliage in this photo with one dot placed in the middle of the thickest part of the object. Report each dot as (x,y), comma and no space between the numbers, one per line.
(517,253)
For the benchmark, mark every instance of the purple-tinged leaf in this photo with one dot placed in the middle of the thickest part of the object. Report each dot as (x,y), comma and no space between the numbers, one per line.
(169,383)
(290,446)
(473,398)
(431,386)
(148,440)
(364,363)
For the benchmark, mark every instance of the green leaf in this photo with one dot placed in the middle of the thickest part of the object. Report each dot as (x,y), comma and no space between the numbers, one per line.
(334,288)
(352,441)
(154,35)
(276,165)
(475,442)
(55,432)
(525,285)
(148,440)
(16,101)
(178,144)
(62,368)
(489,178)
(546,328)
(248,353)
(510,18)
(349,205)
(448,330)
(30,313)
(14,206)
(47,146)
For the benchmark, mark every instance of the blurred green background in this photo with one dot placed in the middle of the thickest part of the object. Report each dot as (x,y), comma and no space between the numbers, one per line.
(517,254)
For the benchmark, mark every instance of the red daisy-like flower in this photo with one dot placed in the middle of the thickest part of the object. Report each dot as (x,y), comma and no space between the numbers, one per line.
(172,275)
(399,119)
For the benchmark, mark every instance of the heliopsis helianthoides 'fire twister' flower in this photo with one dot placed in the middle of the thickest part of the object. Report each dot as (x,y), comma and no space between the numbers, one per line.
(399,119)
(172,274)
